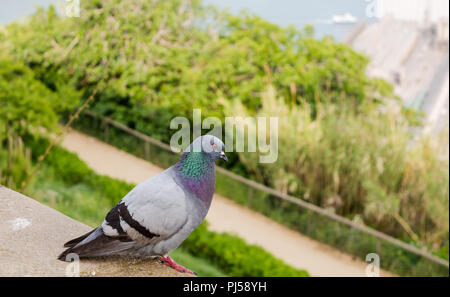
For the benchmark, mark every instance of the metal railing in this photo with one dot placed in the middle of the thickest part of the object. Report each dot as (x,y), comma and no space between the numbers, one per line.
(285,197)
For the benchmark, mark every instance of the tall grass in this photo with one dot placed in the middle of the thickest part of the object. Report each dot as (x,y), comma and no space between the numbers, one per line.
(362,165)
(15,162)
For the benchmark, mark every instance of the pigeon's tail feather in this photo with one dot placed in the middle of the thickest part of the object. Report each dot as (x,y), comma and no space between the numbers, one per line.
(75,241)
(96,244)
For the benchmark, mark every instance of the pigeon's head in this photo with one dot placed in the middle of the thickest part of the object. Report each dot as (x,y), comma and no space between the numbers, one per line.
(210,145)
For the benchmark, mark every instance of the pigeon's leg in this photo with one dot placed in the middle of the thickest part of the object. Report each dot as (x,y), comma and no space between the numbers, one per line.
(167,260)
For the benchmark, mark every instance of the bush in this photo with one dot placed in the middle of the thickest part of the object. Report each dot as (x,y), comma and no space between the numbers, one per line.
(110,187)
(26,103)
(236,257)
(67,166)
(71,170)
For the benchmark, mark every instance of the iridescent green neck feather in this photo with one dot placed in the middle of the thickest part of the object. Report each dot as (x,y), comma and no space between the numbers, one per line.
(194,165)
(196,173)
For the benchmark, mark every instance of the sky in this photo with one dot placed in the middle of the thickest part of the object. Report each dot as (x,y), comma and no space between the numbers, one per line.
(282,12)
(299,13)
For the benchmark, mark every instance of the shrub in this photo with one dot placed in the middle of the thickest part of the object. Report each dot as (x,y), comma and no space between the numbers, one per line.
(236,257)
(67,166)
(26,103)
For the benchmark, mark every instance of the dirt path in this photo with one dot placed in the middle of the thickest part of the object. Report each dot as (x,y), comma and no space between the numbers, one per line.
(225,215)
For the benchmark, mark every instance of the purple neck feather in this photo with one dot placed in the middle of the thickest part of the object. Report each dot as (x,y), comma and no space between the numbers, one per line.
(195,171)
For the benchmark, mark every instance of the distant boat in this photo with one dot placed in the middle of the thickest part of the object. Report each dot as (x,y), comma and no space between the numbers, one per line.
(346,18)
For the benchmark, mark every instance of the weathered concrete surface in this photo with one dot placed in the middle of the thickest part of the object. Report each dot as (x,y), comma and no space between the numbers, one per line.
(32,236)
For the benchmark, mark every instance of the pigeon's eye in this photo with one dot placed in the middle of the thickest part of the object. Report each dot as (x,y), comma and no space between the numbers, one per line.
(214,146)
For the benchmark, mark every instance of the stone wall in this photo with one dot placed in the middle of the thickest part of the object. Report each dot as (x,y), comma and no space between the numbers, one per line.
(32,236)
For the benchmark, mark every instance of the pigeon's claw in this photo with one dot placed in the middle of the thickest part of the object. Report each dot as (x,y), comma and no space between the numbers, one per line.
(167,260)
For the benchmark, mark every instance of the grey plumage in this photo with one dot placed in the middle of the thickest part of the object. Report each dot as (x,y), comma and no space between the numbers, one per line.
(157,215)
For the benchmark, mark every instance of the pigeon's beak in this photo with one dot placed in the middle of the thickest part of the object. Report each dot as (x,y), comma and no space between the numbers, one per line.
(223,156)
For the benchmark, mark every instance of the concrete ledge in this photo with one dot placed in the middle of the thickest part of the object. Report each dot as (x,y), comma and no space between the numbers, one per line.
(32,236)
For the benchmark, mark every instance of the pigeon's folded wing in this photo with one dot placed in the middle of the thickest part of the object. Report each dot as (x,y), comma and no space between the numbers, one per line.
(154,208)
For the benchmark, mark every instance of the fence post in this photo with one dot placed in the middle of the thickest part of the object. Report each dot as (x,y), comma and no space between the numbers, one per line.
(378,246)
(147,150)
(106,132)
(250,196)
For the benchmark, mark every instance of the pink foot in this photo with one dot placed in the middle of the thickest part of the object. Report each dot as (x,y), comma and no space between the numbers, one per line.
(167,260)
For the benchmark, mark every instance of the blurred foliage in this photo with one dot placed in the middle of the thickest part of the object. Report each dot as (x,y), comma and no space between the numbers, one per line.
(443,252)
(15,162)
(200,265)
(164,58)
(233,255)
(24,101)
(360,165)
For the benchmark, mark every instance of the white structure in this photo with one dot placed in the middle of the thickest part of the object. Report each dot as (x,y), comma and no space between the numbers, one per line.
(408,46)
(422,11)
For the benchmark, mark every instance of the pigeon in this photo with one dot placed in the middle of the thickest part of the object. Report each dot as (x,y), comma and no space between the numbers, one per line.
(157,215)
